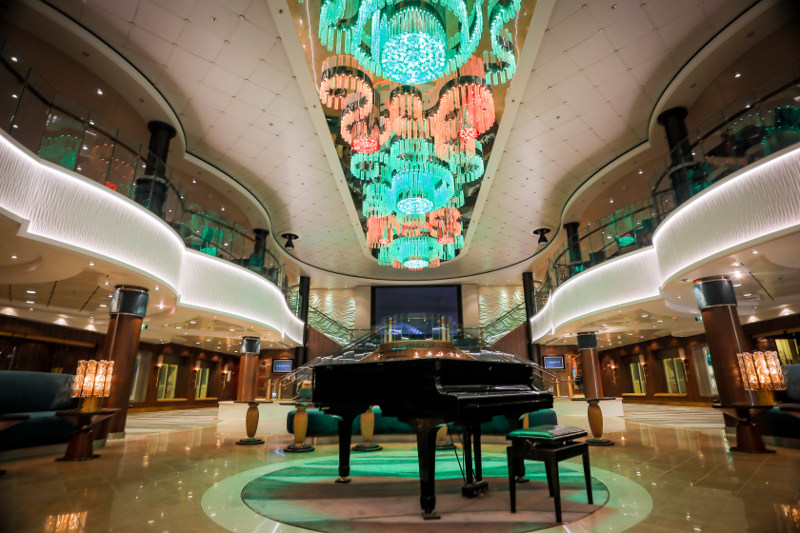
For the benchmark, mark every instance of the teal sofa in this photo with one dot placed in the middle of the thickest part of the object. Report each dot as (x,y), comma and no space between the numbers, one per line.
(321,424)
(781,423)
(37,395)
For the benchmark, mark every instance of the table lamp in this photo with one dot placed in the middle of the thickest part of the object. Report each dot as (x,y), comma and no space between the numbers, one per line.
(92,382)
(761,371)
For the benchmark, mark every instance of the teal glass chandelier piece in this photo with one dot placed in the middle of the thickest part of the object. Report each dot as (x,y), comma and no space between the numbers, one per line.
(415,49)
(421,188)
(376,200)
(415,253)
(501,64)
(406,42)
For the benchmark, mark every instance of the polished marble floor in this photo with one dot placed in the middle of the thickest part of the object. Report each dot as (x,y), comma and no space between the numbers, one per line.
(157,481)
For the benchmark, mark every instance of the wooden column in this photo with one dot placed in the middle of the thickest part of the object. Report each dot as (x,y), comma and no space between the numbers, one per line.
(248,369)
(717,303)
(127,310)
(590,361)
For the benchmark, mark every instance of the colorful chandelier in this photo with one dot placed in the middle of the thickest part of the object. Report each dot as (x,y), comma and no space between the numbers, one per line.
(414,146)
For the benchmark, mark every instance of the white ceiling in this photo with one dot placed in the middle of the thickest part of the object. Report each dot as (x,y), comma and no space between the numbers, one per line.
(225,71)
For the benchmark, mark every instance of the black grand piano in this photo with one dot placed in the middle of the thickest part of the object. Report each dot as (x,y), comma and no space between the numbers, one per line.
(427,393)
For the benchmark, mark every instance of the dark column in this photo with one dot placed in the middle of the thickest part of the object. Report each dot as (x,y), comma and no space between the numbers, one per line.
(259,249)
(717,302)
(151,189)
(674,124)
(127,310)
(530,310)
(248,369)
(573,244)
(301,352)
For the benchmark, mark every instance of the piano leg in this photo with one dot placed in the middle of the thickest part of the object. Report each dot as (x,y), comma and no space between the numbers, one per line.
(468,455)
(345,436)
(472,448)
(426,430)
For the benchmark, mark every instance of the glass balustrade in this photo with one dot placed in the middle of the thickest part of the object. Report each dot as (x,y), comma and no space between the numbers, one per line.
(66,134)
(762,122)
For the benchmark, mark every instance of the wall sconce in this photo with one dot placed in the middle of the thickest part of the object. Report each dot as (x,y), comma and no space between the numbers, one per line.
(761,371)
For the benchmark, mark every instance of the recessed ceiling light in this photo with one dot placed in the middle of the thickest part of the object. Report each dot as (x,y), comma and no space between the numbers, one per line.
(29,291)
(91,263)
(177,327)
(192,322)
(13,257)
(755,252)
(156,287)
(30,309)
(737,75)
(29,302)
(100,92)
(645,316)
(102,305)
(14,59)
(748,294)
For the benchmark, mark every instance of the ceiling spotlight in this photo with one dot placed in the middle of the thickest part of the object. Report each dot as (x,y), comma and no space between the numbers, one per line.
(541,232)
(290,238)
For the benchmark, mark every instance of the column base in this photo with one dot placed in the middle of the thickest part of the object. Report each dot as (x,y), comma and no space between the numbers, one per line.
(367,447)
(303,448)
(250,441)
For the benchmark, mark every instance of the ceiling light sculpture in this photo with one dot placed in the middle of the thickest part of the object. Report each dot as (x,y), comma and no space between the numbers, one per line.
(406,42)
(414,148)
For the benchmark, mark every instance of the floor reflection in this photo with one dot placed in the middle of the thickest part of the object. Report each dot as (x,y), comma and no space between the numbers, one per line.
(156,481)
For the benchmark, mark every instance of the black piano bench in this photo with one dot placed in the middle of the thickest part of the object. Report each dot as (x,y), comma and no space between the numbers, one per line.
(549,444)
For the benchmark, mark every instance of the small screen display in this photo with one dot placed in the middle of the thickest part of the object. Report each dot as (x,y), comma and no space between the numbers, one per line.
(555,362)
(282,365)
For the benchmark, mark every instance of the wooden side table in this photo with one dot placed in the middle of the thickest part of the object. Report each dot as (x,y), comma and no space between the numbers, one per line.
(748,437)
(251,422)
(80,446)
(595,415)
(300,428)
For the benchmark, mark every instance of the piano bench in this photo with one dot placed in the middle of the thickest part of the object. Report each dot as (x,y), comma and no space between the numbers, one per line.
(549,444)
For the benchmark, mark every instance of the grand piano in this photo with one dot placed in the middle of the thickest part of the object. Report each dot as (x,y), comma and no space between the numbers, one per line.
(427,392)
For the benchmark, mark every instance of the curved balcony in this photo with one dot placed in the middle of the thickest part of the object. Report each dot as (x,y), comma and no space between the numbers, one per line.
(763,122)
(59,131)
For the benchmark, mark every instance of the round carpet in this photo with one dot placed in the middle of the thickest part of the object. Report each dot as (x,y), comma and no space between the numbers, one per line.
(383,496)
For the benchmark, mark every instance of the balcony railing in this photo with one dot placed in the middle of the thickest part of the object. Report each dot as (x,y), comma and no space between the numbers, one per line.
(763,122)
(62,132)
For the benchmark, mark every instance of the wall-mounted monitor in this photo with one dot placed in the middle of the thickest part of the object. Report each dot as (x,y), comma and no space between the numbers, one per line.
(281,365)
(554,362)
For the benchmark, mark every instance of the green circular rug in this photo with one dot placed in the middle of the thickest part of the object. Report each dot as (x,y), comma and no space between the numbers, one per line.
(383,496)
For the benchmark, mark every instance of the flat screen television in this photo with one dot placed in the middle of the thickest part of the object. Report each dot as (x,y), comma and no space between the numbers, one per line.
(281,365)
(437,300)
(554,362)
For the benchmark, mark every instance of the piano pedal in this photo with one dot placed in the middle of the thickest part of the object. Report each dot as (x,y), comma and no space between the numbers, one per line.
(432,515)
(342,480)
(473,490)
